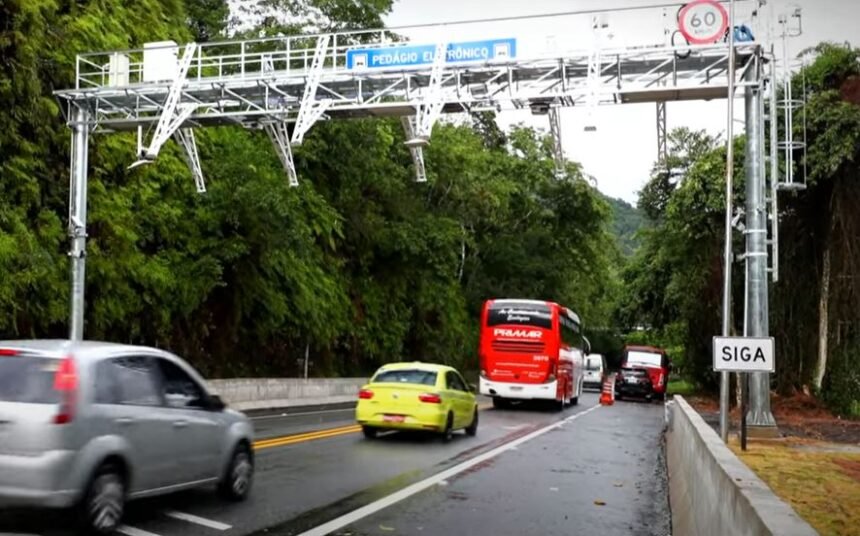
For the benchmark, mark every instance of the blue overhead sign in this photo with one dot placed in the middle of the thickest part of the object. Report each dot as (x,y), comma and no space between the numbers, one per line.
(418,55)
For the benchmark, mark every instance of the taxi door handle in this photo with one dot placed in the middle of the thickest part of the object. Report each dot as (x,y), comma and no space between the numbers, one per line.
(180,424)
(125,421)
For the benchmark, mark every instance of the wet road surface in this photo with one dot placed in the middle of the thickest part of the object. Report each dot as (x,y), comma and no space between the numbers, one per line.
(529,471)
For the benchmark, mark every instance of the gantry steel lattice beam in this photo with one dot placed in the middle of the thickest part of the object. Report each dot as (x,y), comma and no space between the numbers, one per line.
(415,150)
(185,137)
(254,82)
(662,136)
(280,138)
(557,147)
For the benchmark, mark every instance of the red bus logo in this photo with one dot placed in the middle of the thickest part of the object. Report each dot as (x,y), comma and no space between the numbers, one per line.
(518,333)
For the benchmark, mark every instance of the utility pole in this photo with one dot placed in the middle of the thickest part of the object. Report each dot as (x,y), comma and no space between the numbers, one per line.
(760,418)
(727,251)
(78,219)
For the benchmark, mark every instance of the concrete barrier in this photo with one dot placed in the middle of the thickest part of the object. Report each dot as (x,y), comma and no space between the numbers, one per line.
(266,393)
(711,492)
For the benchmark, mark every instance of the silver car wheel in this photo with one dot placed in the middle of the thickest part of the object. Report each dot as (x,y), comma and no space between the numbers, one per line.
(106,502)
(240,476)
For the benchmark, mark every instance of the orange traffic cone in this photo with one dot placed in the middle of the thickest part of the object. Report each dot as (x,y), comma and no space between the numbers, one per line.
(607,393)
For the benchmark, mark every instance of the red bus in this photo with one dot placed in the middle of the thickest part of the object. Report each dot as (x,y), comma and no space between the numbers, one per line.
(530,350)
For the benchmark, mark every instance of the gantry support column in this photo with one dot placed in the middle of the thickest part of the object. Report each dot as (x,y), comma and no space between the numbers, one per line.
(78,219)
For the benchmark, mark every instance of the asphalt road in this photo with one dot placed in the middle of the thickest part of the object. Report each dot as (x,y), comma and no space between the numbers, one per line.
(587,470)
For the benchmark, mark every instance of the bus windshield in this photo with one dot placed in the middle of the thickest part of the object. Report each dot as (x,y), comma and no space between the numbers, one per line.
(524,314)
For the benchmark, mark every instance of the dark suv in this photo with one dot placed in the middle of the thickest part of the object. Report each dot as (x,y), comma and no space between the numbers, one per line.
(633,381)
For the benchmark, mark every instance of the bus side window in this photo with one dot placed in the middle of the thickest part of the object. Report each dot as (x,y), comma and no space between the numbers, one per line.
(570,333)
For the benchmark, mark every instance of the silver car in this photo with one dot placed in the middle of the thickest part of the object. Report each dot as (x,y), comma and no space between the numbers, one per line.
(90,425)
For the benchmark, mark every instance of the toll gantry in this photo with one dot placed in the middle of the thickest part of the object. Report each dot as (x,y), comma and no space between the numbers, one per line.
(165,90)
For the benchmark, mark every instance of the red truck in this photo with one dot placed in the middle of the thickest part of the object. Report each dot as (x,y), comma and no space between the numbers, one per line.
(644,373)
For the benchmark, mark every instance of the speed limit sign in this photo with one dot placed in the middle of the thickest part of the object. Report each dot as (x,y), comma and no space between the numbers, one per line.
(703,21)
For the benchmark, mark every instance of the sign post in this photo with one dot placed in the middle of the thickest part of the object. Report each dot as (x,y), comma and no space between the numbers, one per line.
(744,355)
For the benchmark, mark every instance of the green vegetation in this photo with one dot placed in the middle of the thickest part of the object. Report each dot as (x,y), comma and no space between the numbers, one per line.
(681,387)
(627,221)
(673,284)
(359,262)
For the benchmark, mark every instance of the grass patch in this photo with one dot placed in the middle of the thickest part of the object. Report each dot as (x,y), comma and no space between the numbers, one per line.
(681,387)
(823,487)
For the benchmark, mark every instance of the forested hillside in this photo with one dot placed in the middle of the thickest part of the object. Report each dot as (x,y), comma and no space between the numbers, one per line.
(627,221)
(359,263)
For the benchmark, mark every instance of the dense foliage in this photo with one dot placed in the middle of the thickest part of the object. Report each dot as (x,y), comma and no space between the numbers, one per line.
(673,285)
(627,220)
(359,263)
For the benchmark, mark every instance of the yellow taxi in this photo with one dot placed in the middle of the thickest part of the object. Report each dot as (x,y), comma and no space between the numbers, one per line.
(417,396)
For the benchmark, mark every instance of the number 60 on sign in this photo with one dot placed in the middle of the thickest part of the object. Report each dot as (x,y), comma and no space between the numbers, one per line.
(703,21)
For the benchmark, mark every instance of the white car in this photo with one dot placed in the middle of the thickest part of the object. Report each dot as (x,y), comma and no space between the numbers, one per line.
(595,367)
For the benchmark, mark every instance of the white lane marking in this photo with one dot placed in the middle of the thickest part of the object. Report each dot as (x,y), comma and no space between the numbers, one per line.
(198,520)
(131,531)
(394,498)
(286,415)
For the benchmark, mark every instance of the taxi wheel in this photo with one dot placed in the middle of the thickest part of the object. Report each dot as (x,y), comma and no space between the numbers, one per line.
(472,430)
(369,432)
(448,434)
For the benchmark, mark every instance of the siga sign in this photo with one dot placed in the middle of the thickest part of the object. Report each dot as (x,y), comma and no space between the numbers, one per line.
(744,354)
(703,22)
(422,55)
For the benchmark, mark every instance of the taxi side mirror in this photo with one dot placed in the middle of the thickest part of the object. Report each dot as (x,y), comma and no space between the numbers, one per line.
(473,388)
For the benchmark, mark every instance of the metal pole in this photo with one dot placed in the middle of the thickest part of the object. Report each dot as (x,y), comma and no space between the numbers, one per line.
(78,219)
(307,355)
(743,377)
(662,135)
(727,252)
(774,172)
(760,417)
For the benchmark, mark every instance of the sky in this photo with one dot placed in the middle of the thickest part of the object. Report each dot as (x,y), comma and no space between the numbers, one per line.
(621,153)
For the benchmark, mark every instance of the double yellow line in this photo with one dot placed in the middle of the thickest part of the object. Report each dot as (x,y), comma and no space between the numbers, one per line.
(309,436)
(319,434)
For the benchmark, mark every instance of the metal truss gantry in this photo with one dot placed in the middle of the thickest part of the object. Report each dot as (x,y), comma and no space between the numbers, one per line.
(277,83)
(557,148)
(299,79)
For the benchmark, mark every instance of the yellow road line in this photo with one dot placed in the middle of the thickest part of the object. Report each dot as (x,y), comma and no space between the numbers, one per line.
(310,436)
(319,434)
